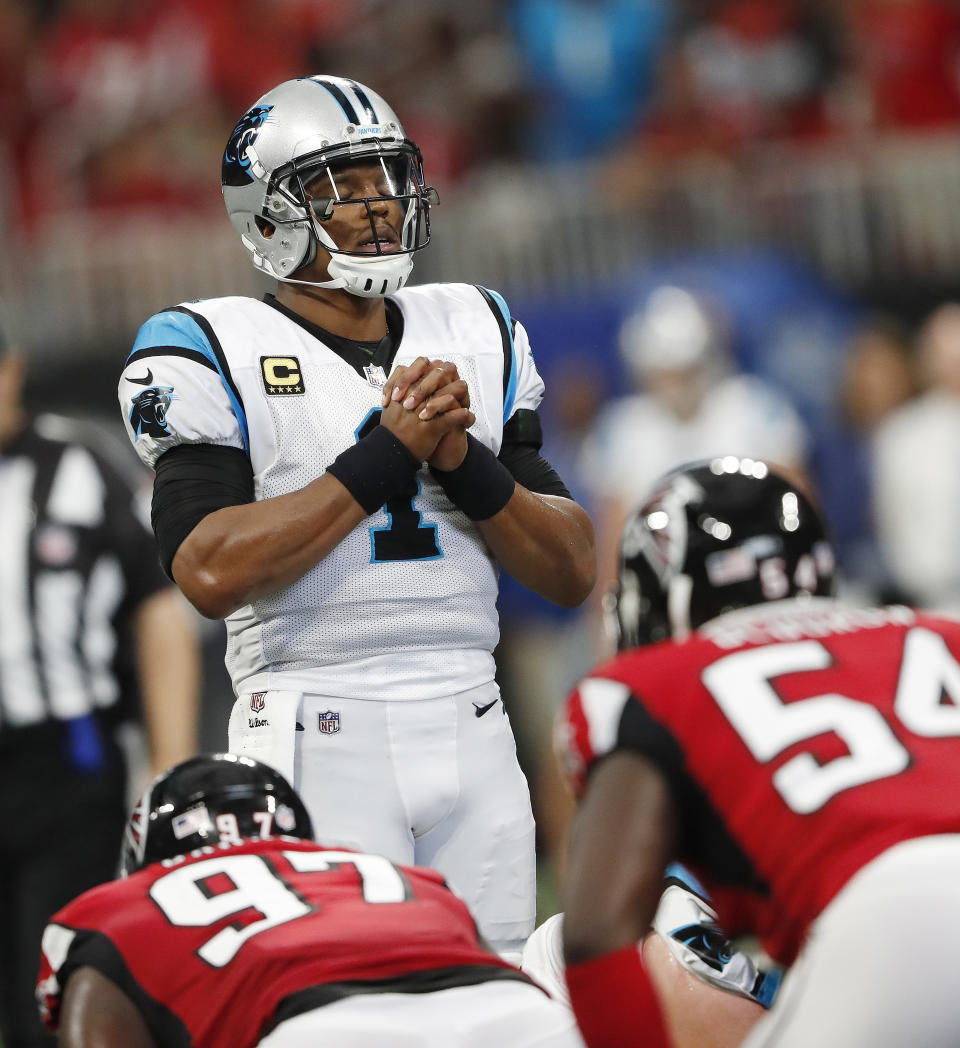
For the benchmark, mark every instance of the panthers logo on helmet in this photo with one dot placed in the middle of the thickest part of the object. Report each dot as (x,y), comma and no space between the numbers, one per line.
(235,170)
(149,412)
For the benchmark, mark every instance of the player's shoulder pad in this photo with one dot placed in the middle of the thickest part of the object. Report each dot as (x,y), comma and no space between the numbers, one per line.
(495,299)
(186,324)
(176,327)
(453,292)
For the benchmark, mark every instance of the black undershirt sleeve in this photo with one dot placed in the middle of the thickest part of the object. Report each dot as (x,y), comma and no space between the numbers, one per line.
(191,481)
(520,453)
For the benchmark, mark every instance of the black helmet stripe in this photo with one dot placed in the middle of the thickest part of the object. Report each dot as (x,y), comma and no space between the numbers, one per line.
(371,113)
(345,104)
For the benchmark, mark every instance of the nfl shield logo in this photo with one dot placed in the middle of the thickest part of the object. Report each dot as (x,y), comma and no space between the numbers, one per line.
(376,376)
(330,722)
(257,701)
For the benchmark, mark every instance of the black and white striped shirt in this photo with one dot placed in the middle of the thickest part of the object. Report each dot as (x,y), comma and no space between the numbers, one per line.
(75,562)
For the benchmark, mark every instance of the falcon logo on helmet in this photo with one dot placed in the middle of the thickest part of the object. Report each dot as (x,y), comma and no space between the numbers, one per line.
(135,833)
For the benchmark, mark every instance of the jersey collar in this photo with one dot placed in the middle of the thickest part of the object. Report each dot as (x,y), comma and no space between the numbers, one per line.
(358,354)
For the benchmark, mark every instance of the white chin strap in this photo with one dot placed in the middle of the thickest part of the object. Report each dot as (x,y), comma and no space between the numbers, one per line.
(371,277)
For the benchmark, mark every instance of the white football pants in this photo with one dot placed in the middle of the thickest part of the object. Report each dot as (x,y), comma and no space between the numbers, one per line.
(489,1014)
(432,782)
(880,967)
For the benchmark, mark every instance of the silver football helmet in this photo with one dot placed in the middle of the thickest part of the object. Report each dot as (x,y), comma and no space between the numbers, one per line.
(294,139)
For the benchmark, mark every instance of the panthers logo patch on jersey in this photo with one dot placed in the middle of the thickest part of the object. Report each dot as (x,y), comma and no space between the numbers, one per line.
(281,376)
(149,412)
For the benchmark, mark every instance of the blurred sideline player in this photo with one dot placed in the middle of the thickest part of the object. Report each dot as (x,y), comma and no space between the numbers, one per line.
(711,993)
(690,401)
(317,487)
(229,928)
(800,755)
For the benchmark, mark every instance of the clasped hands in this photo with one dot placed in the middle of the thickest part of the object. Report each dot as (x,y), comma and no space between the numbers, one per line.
(426,405)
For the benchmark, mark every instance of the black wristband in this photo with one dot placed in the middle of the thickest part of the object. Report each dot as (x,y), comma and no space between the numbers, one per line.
(374,468)
(481,485)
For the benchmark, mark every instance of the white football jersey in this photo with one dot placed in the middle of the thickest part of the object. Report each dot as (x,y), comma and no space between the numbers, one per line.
(404,606)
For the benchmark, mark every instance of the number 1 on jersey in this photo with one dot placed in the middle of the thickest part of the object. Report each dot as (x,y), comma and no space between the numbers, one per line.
(406,537)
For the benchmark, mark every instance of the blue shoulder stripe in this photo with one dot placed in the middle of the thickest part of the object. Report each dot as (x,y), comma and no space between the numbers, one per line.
(179,328)
(676,871)
(501,312)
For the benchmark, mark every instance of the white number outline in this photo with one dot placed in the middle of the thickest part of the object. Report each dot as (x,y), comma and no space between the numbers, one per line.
(741,686)
(259,886)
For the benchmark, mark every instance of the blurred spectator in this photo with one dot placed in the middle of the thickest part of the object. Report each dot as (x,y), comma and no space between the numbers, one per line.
(737,72)
(917,473)
(254,44)
(592,66)
(878,376)
(20,27)
(689,405)
(120,103)
(124,98)
(878,373)
(760,67)
(544,649)
(455,69)
(133,98)
(904,62)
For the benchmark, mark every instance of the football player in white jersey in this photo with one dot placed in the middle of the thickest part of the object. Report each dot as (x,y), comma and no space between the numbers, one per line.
(341,471)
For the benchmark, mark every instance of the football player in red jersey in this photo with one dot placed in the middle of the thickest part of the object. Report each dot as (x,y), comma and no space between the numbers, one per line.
(229,927)
(800,755)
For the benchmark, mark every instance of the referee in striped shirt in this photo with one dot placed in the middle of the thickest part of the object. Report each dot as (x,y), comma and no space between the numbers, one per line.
(93,639)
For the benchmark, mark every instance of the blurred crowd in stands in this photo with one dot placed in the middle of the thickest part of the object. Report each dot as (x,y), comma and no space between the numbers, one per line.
(119,103)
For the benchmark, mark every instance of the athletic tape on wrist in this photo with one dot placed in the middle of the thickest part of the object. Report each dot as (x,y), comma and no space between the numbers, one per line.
(374,468)
(481,485)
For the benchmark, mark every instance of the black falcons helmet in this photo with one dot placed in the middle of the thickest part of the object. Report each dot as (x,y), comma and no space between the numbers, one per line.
(716,535)
(206,800)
